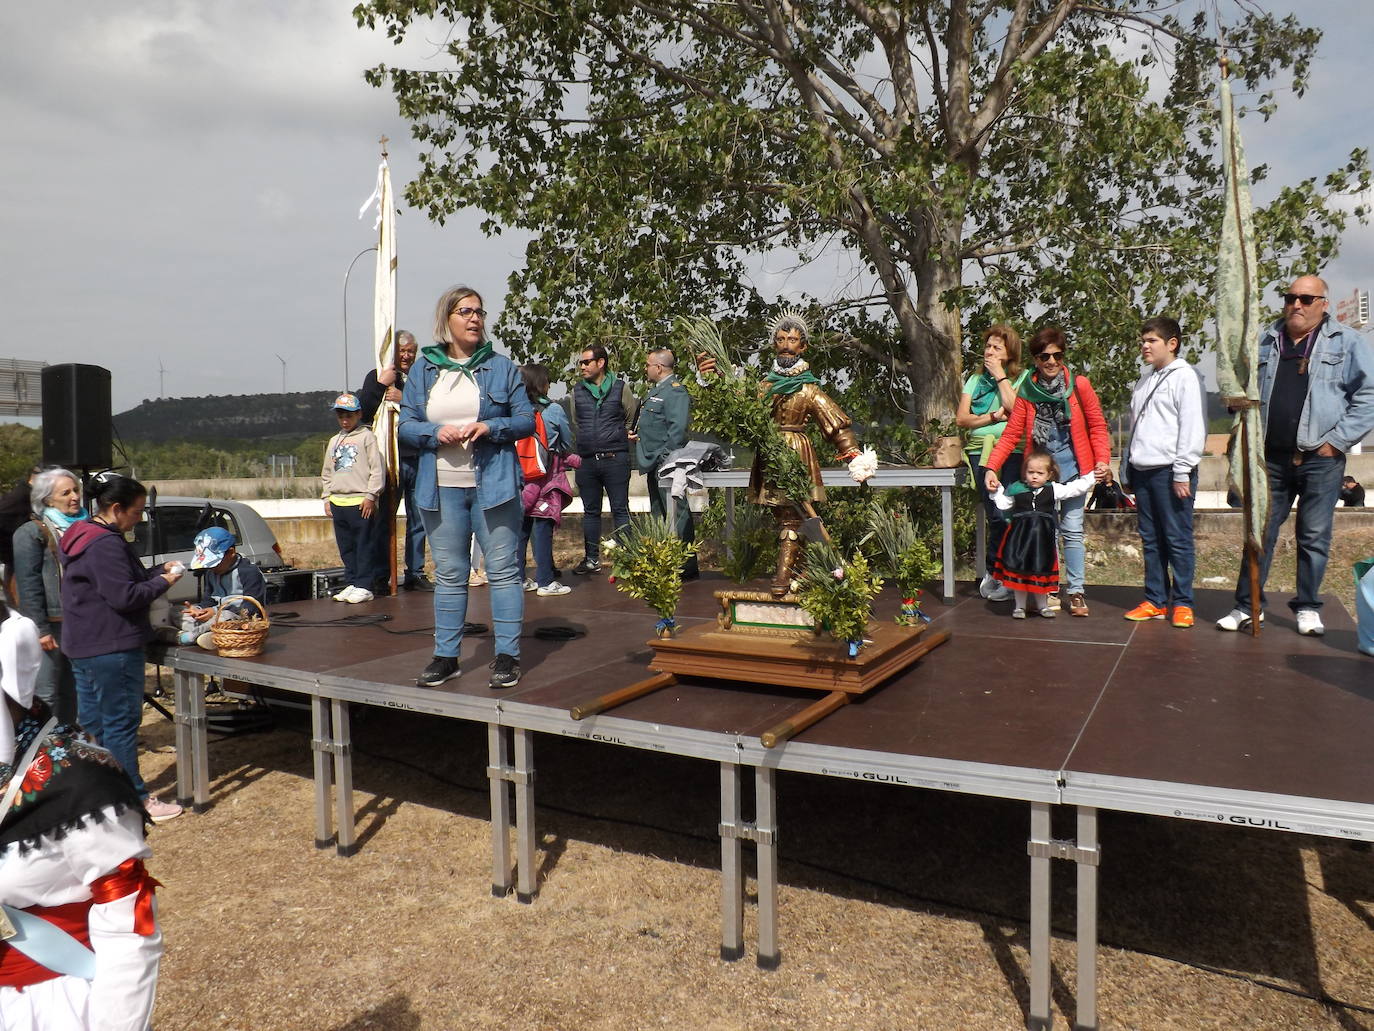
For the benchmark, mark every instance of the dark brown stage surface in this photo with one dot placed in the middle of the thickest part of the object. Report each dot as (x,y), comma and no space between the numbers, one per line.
(1136,716)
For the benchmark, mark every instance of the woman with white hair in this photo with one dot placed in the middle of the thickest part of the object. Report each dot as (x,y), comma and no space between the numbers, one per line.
(72,880)
(55,495)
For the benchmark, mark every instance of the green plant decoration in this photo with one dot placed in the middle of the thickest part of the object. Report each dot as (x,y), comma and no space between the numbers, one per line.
(752,549)
(903,557)
(647,564)
(732,406)
(838,594)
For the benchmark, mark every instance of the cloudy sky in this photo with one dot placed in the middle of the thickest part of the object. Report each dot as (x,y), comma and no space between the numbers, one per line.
(184,180)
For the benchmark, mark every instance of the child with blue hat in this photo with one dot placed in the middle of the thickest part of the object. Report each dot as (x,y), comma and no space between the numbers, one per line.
(226,573)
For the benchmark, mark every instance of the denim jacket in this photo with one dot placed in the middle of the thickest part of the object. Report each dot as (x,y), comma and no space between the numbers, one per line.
(1340,389)
(505,408)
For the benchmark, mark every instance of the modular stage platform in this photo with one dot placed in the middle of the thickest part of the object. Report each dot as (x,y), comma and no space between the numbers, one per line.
(1098,713)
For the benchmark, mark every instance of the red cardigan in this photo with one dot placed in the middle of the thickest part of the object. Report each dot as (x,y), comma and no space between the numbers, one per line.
(1087,429)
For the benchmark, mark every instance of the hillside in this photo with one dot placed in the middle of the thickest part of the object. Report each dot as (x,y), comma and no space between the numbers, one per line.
(217,417)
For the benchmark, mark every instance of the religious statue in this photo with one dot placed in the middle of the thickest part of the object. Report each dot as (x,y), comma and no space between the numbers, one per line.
(797,399)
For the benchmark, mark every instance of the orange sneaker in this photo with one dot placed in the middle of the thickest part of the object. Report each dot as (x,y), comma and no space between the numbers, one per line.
(1149,610)
(1183,617)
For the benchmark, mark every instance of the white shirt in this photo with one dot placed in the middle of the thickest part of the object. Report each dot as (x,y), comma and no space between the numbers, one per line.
(454,401)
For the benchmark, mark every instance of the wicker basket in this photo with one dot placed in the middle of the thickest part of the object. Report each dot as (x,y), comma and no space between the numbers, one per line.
(239,638)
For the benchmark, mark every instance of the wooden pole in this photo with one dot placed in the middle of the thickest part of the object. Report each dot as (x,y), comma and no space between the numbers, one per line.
(625,694)
(775,736)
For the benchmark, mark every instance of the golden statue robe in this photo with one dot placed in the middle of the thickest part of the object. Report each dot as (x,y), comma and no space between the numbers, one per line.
(792,412)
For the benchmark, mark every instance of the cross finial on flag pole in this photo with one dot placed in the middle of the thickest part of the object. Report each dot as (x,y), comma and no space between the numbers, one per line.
(384,140)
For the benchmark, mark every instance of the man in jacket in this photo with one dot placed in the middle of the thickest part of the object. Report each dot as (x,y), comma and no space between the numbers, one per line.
(603,412)
(1316,386)
(663,419)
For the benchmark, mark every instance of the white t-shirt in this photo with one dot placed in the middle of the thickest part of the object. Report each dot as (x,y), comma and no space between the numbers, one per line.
(454,401)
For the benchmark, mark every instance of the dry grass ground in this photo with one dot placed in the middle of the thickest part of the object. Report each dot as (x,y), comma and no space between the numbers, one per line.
(899,908)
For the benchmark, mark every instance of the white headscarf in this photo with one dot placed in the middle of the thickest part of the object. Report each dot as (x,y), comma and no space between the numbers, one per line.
(20,657)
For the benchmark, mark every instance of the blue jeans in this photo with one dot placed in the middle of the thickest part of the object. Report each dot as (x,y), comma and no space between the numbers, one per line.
(540,531)
(109,700)
(1316,484)
(996,520)
(355,537)
(1166,534)
(450,531)
(415,524)
(595,475)
(56,684)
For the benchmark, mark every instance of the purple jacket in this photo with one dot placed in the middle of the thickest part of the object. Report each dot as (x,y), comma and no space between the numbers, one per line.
(105,592)
(545,497)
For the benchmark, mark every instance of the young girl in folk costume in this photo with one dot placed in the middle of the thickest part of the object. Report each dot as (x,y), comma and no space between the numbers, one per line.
(544,494)
(1028,558)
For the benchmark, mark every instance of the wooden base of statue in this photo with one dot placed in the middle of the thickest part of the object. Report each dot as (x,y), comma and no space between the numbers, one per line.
(765,648)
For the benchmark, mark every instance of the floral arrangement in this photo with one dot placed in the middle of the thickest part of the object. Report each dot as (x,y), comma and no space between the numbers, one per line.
(903,557)
(838,594)
(733,407)
(647,564)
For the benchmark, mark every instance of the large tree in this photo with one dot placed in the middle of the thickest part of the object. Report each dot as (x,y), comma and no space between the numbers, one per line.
(948,162)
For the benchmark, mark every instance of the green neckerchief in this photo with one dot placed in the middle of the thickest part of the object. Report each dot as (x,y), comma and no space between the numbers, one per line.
(985,397)
(1033,392)
(599,390)
(1019,487)
(438,354)
(781,383)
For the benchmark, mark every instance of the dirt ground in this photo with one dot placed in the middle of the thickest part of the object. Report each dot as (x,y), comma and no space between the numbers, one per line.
(899,908)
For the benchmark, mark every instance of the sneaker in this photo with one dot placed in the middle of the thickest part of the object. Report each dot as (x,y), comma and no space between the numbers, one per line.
(505,671)
(160,811)
(553,590)
(1020,613)
(587,565)
(343,594)
(1052,601)
(420,583)
(440,668)
(359,594)
(1146,610)
(1310,623)
(188,636)
(1183,617)
(1237,619)
(1002,593)
(477,578)
(1048,612)
(1078,606)
(530,585)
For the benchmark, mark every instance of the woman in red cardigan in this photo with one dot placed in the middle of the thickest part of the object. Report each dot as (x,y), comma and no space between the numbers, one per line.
(1059,412)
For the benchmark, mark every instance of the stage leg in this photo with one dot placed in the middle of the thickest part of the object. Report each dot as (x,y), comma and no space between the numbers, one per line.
(523,775)
(500,811)
(345,841)
(947,540)
(1039,1017)
(183,685)
(1088,857)
(324,771)
(731,865)
(200,747)
(766,847)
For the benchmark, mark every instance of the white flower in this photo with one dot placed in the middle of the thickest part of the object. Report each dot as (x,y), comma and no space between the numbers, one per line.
(863,465)
(837,573)
(609,545)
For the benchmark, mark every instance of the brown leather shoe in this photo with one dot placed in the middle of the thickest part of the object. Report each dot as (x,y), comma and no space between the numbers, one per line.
(1077,606)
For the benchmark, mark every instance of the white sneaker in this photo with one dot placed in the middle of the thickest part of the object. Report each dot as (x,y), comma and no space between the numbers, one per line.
(1018,613)
(358,594)
(555,588)
(1052,601)
(1239,619)
(343,594)
(1310,623)
(530,585)
(160,811)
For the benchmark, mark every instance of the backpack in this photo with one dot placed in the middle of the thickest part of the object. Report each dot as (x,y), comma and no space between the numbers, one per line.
(534,450)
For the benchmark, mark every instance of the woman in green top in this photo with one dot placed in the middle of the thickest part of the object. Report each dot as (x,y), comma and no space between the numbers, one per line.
(987,400)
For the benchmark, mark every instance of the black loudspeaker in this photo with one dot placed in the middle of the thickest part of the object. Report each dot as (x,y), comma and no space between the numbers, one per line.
(76,416)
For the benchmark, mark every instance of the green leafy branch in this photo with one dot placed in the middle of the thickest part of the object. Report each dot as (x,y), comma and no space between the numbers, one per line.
(647,562)
(902,556)
(837,594)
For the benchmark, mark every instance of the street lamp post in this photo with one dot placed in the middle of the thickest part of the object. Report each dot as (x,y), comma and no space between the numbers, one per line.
(365,250)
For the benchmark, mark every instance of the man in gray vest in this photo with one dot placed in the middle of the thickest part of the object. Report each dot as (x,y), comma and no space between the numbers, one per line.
(603,411)
(663,419)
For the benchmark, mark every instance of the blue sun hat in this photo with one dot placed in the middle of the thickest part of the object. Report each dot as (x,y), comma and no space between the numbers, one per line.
(347,403)
(211,546)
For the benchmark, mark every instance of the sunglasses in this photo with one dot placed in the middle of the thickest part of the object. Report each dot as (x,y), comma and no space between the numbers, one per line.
(1307,299)
(1049,356)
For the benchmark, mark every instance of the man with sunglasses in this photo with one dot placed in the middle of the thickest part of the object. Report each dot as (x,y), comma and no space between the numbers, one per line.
(603,415)
(1316,387)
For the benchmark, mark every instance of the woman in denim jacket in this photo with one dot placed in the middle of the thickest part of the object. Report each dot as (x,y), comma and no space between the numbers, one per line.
(463,409)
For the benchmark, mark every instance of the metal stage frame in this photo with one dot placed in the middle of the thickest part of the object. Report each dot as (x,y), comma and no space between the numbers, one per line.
(938,727)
